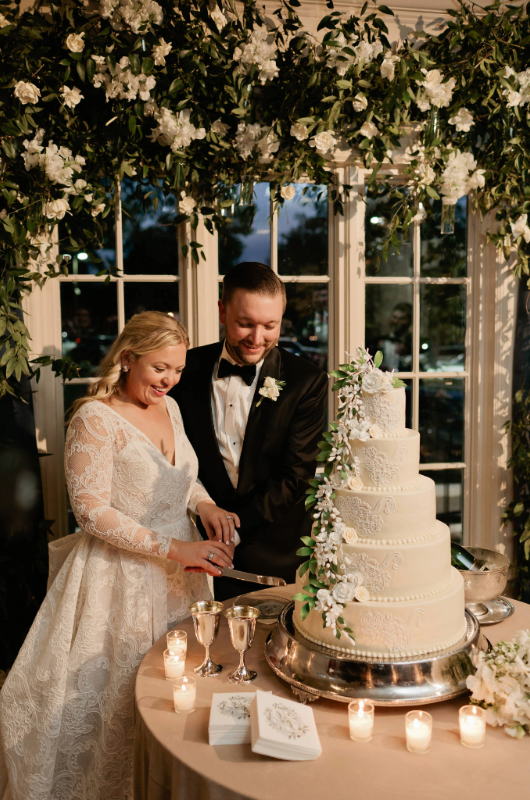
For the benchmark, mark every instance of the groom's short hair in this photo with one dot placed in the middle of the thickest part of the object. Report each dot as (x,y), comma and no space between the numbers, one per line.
(251,276)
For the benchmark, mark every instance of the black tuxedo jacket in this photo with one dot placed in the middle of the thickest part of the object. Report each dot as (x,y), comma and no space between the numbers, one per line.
(277,459)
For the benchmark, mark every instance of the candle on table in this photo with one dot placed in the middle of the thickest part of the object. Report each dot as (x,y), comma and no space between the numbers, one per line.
(418,727)
(174,664)
(184,693)
(361,718)
(177,641)
(472,726)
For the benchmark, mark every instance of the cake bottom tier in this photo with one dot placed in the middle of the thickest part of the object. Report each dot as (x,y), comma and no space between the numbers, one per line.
(401,628)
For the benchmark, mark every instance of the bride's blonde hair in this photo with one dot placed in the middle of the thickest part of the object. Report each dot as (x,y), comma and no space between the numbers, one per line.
(144,333)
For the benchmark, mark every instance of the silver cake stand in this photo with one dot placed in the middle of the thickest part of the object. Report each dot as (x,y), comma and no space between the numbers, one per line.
(313,671)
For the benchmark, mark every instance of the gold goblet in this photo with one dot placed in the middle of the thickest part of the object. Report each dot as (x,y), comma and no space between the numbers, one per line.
(206,615)
(242,624)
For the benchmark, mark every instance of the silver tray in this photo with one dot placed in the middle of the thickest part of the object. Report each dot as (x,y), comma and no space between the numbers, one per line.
(313,671)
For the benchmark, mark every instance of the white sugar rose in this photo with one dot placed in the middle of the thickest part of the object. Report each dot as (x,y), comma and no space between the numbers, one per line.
(186,204)
(369,130)
(56,209)
(323,141)
(27,93)
(75,43)
(355,483)
(375,431)
(299,131)
(288,192)
(324,595)
(359,103)
(362,594)
(356,578)
(336,481)
(343,592)
(372,381)
(350,535)
(71,97)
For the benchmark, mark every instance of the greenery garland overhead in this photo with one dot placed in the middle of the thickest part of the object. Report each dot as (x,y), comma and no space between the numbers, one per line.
(197,97)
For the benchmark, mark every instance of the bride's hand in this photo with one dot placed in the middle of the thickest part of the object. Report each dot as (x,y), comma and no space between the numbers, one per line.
(218,523)
(194,556)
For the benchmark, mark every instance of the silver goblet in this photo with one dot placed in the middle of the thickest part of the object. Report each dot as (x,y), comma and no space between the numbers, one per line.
(242,624)
(206,615)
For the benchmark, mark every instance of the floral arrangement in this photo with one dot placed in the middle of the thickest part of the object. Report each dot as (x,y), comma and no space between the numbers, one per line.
(501,684)
(329,583)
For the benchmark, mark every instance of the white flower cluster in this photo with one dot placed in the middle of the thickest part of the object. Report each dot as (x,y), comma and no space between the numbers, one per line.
(324,142)
(463,120)
(261,51)
(435,92)
(364,52)
(388,67)
(460,177)
(501,684)
(123,85)
(26,92)
(175,130)
(139,15)
(520,228)
(160,51)
(521,95)
(249,136)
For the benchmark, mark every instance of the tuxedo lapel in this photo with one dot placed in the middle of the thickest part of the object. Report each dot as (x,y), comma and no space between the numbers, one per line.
(258,421)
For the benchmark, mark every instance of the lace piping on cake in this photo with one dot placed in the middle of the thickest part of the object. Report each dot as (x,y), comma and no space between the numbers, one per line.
(378,466)
(374,577)
(394,633)
(405,488)
(365,520)
(386,416)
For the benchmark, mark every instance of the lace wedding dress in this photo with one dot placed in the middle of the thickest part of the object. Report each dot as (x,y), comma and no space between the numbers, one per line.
(67,707)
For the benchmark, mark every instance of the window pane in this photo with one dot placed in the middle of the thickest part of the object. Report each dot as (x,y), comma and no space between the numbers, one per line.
(71,392)
(449,499)
(151,297)
(444,255)
(409,388)
(305,323)
(303,232)
(246,238)
(150,245)
(378,214)
(389,324)
(442,420)
(92,260)
(89,323)
(442,328)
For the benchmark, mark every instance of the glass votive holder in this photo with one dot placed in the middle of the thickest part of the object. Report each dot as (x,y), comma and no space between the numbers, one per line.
(177,641)
(418,727)
(472,726)
(174,664)
(184,693)
(361,719)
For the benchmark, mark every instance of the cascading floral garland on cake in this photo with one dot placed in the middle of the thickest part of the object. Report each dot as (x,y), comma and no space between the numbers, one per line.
(329,584)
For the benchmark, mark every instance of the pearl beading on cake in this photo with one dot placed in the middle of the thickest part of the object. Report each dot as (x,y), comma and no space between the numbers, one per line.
(405,488)
(391,435)
(392,542)
(378,656)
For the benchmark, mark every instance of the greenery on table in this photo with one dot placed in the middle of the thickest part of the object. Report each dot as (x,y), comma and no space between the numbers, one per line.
(518,511)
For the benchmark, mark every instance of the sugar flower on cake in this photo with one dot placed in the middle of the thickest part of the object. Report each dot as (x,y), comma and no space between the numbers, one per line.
(355,483)
(344,592)
(375,431)
(350,535)
(373,381)
(359,429)
(362,594)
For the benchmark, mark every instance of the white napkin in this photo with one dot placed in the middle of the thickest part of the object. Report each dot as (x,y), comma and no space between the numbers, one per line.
(230,718)
(283,729)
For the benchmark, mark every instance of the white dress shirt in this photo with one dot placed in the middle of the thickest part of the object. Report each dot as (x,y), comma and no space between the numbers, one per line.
(231,402)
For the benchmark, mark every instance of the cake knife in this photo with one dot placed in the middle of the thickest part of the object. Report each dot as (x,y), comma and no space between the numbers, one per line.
(265,580)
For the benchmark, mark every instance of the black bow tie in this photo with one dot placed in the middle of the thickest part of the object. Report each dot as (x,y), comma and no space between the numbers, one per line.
(246,373)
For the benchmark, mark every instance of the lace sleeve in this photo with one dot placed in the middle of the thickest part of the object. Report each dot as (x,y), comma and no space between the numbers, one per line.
(198,493)
(88,466)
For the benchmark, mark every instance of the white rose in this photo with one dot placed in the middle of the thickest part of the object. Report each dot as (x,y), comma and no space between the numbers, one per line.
(299,131)
(387,377)
(343,592)
(288,192)
(388,66)
(71,97)
(514,98)
(350,535)
(160,51)
(220,128)
(324,595)
(27,93)
(361,594)
(98,209)
(187,204)
(463,120)
(520,227)
(75,43)
(359,102)
(375,431)
(356,578)
(355,483)
(336,480)
(56,209)
(369,130)
(372,381)
(323,141)
(79,185)
(219,19)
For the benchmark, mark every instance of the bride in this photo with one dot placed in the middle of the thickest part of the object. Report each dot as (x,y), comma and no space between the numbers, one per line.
(67,706)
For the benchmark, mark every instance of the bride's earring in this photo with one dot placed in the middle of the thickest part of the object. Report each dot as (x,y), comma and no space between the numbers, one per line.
(125,368)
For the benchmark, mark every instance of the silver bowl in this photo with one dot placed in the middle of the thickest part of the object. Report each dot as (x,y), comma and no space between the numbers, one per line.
(487,585)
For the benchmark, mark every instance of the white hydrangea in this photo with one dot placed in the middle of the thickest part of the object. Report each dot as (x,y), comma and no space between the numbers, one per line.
(463,120)
(123,85)
(160,51)
(71,96)
(436,92)
(175,130)
(139,15)
(260,50)
(460,177)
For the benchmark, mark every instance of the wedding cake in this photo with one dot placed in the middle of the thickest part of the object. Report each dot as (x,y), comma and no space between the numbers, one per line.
(379,580)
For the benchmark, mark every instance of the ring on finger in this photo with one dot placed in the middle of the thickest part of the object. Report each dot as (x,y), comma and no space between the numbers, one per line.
(229,518)
(210,557)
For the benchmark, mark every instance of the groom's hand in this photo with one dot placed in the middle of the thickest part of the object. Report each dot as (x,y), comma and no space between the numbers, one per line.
(218,523)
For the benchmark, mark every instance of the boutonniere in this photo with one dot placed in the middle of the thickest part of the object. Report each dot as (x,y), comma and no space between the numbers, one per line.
(271,390)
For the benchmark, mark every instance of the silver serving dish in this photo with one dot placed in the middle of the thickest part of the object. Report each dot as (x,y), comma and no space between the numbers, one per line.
(313,671)
(483,588)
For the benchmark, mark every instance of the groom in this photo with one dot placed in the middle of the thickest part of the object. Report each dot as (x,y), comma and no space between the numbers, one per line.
(256,453)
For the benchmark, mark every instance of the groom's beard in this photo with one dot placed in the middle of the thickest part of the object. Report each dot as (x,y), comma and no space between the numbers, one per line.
(237,352)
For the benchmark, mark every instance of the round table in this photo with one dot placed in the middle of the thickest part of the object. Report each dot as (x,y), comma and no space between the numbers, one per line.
(173,760)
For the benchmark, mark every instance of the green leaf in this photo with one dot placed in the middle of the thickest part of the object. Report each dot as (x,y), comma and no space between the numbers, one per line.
(518,509)
(132,124)
(322,456)
(134,61)
(308,541)
(301,597)
(378,359)
(324,445)
(81,70)
(303,569)
(432,193)
(304,611)
(304,551)
(314,483)
(90,67)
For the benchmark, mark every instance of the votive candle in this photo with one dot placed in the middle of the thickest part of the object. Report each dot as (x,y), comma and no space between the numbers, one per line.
(174,664)
(177,641)
(184,693)
(418,728)
(472,726)
(361,719)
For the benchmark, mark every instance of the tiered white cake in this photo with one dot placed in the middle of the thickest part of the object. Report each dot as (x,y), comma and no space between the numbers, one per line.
(399,551)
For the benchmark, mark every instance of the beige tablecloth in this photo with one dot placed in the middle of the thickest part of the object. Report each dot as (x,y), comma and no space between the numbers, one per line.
(173,760)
